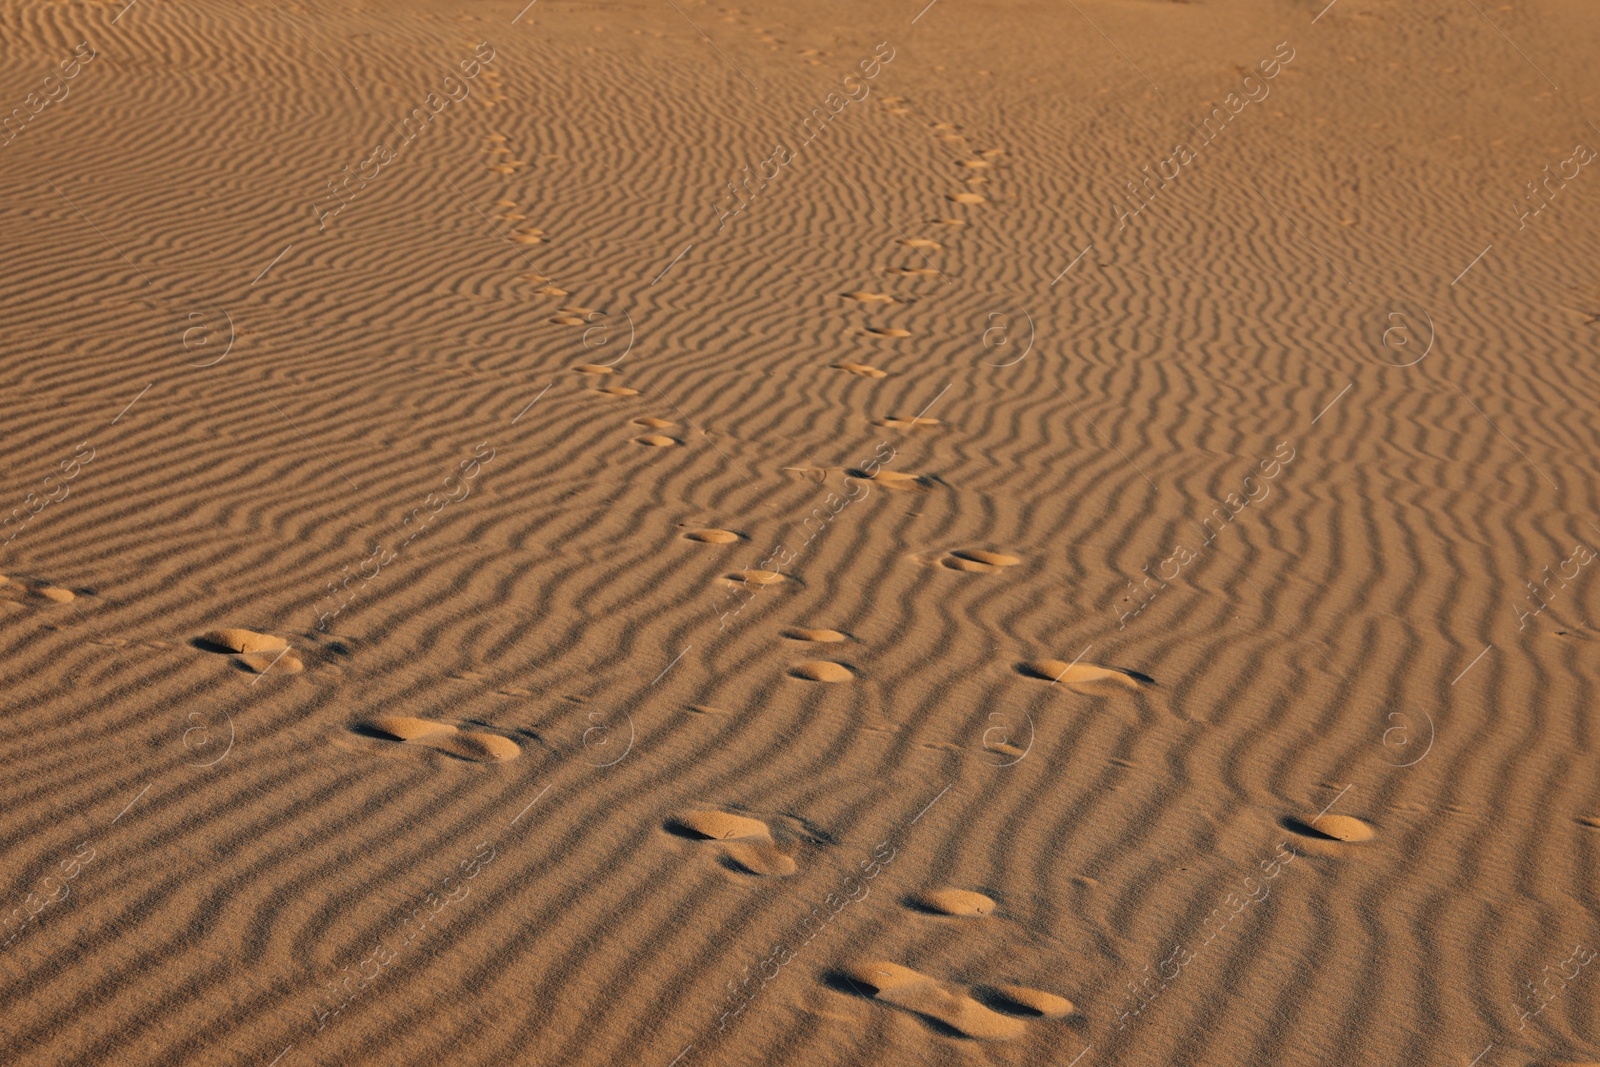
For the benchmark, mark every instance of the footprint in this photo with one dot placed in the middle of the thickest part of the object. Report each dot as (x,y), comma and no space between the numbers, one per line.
(941,1002)
(566,320)
(907,424)
(899,481)
(929,271)
(754,578)
(55,594)
(887,331)
(860,370)
(822,670)
(441,736)
(712,537)
(979,561)
(873,298)
(920,242)
(235,640)
(976,164)
(654,424)
(958,902)
(746,843)
(802,633)
(1024,999)
(657,440)
(593,368)
(1078,675)
(616,390)
(284,662)
(967,198)
(1344,828)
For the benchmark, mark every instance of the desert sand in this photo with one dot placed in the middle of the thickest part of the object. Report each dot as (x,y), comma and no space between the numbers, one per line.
(664,533)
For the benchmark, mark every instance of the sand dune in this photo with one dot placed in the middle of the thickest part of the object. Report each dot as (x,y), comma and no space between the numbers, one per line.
(1080,558)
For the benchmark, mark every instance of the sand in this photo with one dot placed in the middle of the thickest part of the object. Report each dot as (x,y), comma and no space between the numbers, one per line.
(695,536)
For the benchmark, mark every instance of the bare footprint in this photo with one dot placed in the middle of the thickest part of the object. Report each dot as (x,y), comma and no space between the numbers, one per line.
(746,843)
(1084,677)
(443,737)
(860,370)
(942,1002)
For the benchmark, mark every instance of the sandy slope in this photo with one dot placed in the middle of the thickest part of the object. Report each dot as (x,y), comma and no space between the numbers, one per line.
(910,612)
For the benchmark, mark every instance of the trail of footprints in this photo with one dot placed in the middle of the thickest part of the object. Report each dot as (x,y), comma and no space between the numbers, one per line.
(748,846)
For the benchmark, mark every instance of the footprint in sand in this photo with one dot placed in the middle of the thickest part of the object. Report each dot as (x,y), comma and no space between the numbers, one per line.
(920,242)
(886,331)
(942,1002)
(1084,677)
(915,422)
(805,633)
(747,844)
(615,390)
(1343,828)
(976,164)
(961,903)
(657,440)
(874,298)
(754,577)
(712,537)
(860,370)
(654,424)
(443,737)
(928,271)
(593,368)
(258,652)
(967,198)
(527,235)
(979,561)
(899,481)
(822,670)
